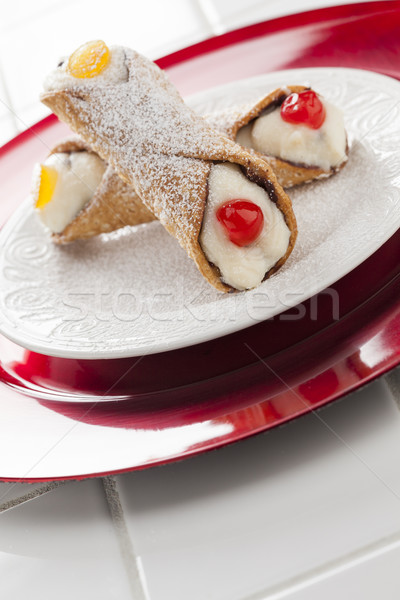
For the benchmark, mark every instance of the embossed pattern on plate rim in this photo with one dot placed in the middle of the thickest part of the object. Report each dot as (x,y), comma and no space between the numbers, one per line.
(89,349)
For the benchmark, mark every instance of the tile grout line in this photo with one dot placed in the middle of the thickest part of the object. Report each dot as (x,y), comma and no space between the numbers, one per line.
(132,563)
(392,382)
(317,414)
(30,495)
(329,569)
(211,16)
(11,112)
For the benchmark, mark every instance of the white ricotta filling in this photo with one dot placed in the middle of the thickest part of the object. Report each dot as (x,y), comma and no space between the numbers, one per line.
(79,174)
(241,267)
(114,72)
(324,147)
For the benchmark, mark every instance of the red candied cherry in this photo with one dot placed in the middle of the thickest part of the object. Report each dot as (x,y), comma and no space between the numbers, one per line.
(304,108)
(242,220)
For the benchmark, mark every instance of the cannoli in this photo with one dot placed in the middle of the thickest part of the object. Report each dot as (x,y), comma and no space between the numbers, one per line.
(299,133)
(114,204)
(222,203)
(77,195)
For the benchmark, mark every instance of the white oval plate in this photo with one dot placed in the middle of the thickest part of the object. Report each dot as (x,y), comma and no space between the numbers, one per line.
(136,292)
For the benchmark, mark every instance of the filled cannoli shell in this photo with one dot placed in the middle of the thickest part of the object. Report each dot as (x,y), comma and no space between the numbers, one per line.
(288,173)
(157,145)
(114,203)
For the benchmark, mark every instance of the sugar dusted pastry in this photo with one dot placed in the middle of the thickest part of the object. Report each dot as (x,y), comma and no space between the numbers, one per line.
(300,134)
(185,172)
(77,195)
(297,151)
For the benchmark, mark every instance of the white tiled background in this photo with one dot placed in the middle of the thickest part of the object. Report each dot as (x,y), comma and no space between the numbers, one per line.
(33,34)
(306,511)
(294,513)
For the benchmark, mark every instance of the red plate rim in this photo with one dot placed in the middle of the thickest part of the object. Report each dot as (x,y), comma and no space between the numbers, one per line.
(388,326)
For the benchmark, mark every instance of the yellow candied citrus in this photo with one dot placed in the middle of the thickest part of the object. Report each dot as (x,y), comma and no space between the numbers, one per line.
(48,181)
(88,60)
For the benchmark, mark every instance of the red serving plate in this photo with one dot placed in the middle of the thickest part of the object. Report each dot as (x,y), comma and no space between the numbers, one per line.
(232,387)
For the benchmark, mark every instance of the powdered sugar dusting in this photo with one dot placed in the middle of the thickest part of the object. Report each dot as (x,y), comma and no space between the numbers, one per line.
(135,291)
(152,139)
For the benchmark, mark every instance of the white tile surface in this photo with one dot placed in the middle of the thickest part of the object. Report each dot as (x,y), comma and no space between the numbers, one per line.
(8,126)
(76,511)
(28,115)
(7,130)
(229,14)
(63,541)
(66,579)
(255,515)
(369,576)
(392,380)
(4,100)
(18,12)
